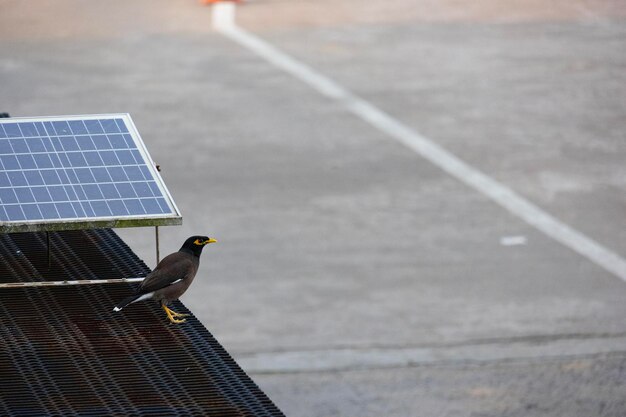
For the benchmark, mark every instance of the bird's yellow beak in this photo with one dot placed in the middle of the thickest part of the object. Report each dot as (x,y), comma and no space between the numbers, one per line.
(204,242)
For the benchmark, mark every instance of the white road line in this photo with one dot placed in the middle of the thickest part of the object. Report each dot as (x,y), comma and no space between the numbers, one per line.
(354,359)
(504,196)
(513,240)
(223,15)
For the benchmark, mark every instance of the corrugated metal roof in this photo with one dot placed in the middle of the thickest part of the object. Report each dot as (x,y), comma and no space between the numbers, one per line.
(63,351)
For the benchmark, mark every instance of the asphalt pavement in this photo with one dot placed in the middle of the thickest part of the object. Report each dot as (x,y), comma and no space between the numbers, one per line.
(354,277)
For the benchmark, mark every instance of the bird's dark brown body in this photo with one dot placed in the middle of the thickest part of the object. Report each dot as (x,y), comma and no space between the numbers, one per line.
(180,265)
(171,277)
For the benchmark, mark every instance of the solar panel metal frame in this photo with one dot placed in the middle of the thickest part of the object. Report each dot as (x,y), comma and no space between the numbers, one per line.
(132,220)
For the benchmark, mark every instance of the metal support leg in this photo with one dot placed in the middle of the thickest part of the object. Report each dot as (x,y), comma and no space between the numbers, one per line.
(48,250)
(156,234)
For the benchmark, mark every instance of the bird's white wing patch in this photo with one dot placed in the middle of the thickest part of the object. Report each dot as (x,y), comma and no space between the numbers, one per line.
(140,298)
(144,297)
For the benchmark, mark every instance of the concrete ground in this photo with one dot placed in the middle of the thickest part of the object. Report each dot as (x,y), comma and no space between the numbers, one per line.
(352,277)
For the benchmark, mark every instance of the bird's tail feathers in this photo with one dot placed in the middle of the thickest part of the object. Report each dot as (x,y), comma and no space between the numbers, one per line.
(132,299)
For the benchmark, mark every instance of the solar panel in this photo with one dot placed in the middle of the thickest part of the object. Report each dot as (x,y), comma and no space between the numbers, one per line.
(76,172)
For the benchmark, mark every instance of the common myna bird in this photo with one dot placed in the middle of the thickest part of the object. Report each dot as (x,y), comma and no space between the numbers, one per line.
(171,277)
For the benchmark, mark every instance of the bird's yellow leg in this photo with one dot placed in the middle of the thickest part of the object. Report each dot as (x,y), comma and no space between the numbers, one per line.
(175,314)
(171,316)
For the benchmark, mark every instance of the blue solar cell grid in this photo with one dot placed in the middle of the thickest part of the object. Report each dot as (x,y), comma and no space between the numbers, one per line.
(75,169)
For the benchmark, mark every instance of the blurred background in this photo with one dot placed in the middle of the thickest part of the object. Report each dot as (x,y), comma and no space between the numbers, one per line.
(353,277)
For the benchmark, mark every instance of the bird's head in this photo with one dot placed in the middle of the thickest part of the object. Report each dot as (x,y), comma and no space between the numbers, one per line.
(195,244)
